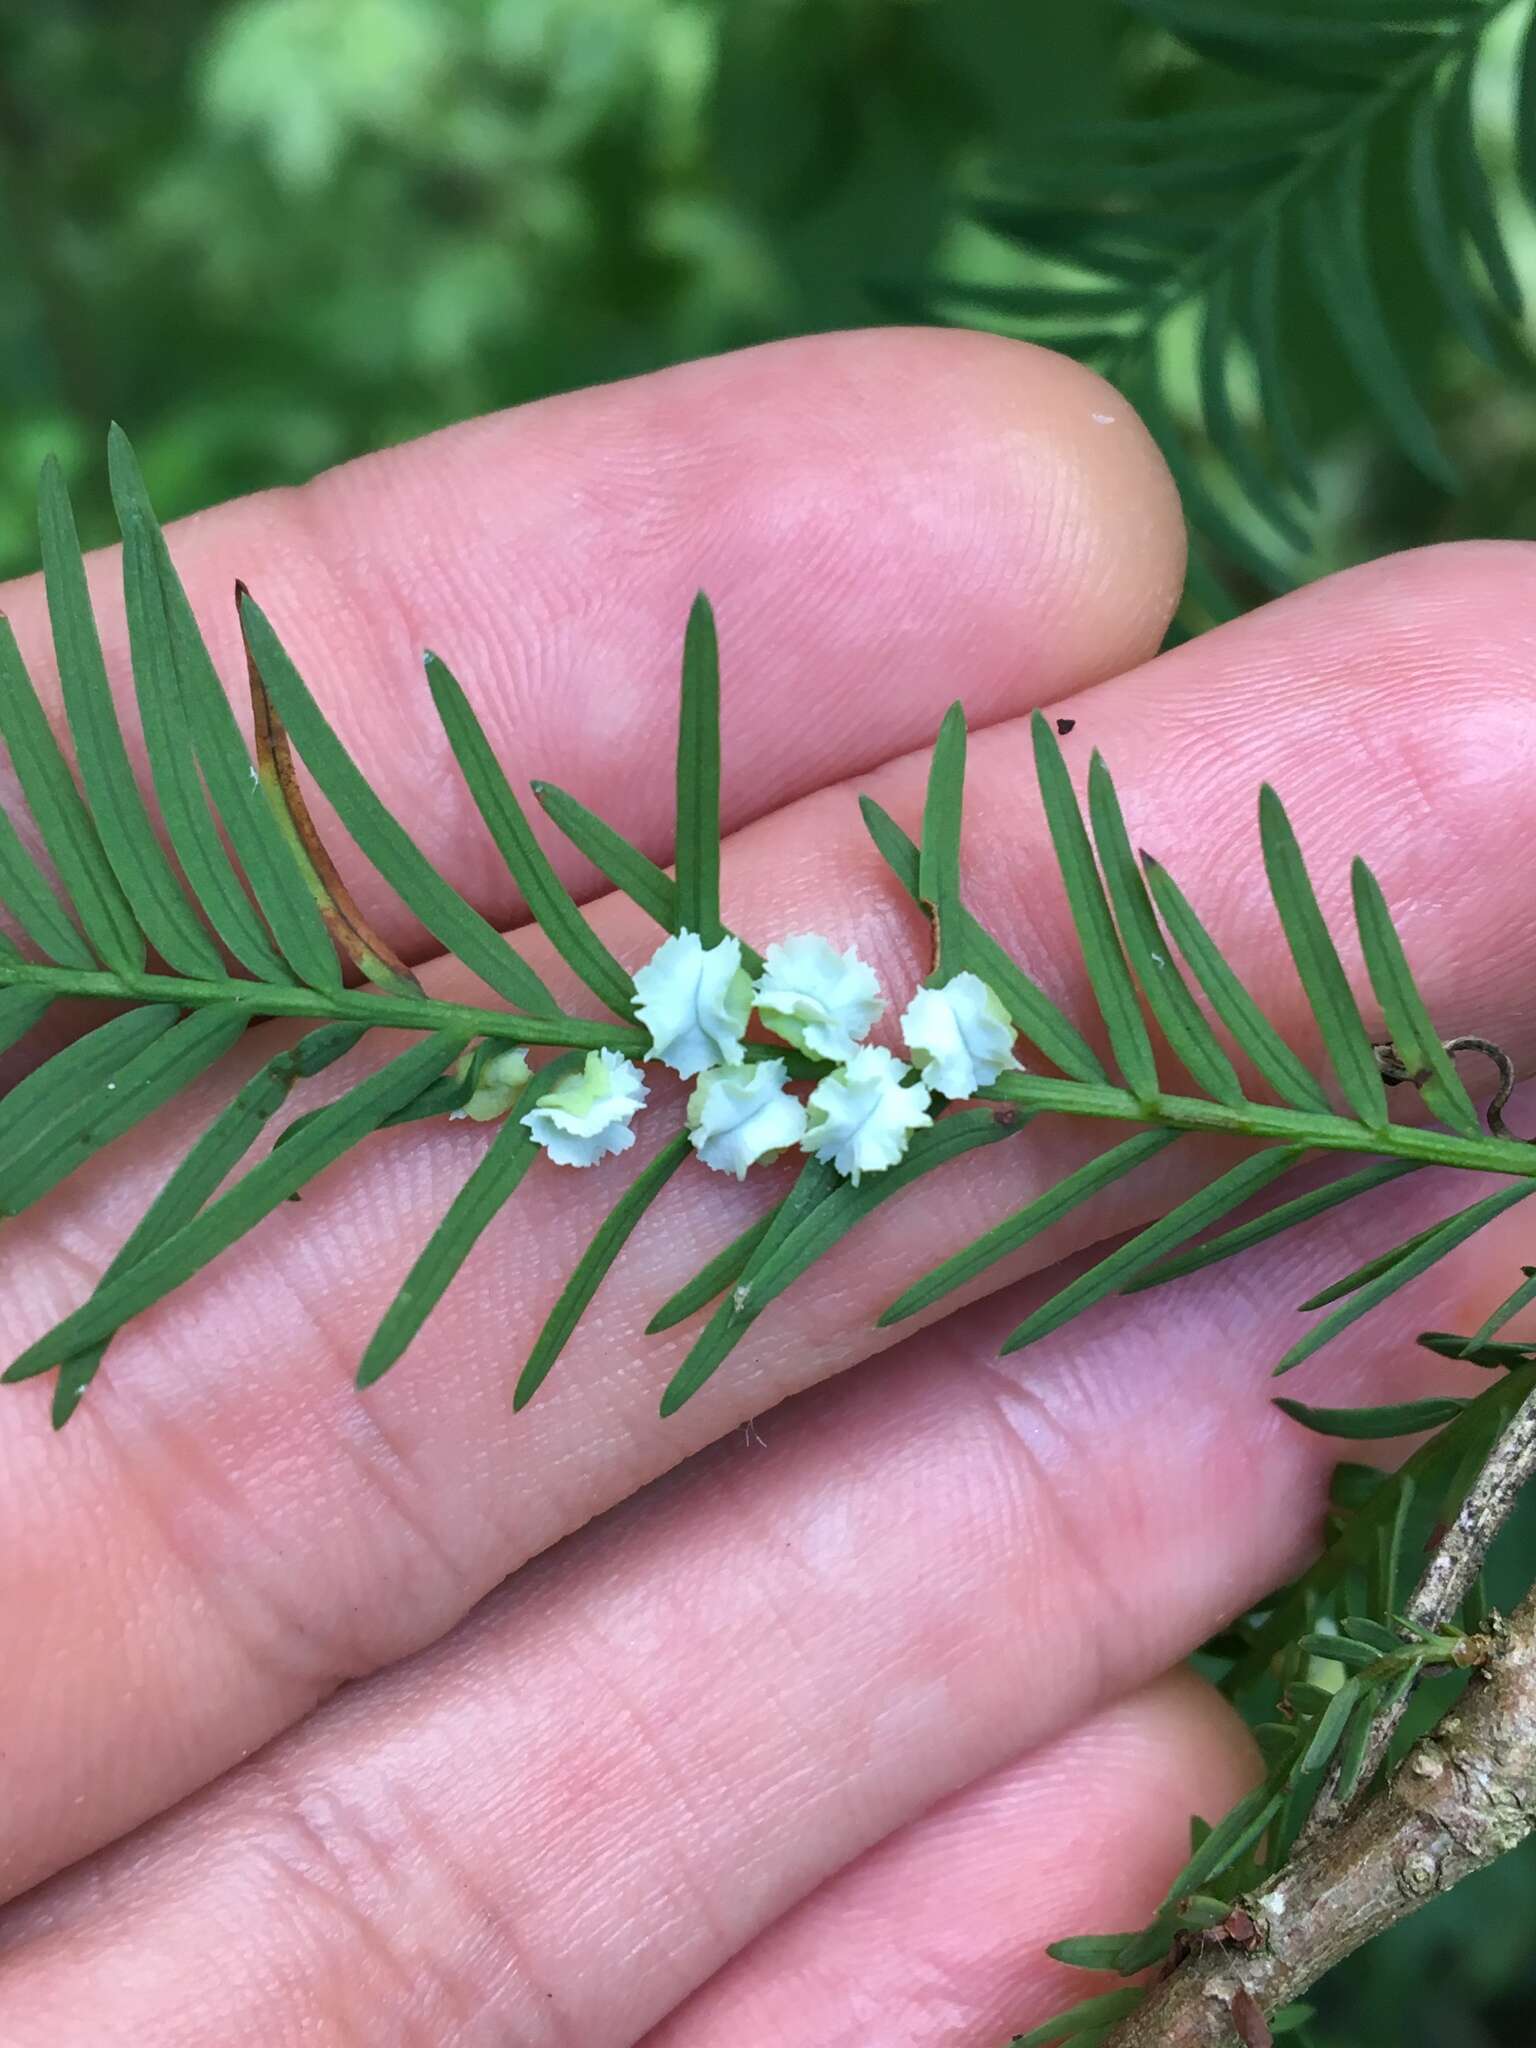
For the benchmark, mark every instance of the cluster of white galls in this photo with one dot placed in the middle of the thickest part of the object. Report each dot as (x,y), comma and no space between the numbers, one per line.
(696,1002)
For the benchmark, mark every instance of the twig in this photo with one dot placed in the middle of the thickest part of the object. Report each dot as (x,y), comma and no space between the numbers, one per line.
(1448,1578)
(1464,1797)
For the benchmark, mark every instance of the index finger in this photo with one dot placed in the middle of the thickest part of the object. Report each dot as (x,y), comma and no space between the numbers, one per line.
(880,518)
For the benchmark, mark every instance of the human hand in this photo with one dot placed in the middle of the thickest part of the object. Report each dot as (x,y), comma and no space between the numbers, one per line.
(817,1738)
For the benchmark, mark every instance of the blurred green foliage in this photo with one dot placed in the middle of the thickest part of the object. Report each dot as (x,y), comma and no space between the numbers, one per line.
(270,234)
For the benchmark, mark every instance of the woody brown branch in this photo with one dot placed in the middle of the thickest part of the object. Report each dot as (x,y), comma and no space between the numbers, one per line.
(1463,1797)
(1452,1571)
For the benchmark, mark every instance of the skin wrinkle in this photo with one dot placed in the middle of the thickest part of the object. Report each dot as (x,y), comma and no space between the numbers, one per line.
(269,1626)
(384,1465)
(783,1607)
(1034,1495)
(680,1796)
(512,1969)
(313,1834)
(318,1867)
(502,1953)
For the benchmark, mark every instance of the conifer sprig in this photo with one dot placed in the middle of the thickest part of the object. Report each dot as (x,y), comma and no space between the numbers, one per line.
(194,946)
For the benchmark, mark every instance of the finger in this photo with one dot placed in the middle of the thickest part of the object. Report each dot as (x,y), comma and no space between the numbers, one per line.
(239,1531)
(657,1741)
(875,516)
(938,1935)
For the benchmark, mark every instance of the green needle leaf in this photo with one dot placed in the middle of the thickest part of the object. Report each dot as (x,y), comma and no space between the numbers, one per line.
(1089,1951)
(1506,1311)
(1338,249)
(1439,233)
(545,894)
(1284,1216)
(1262,317)
(197,1179)
(21,1009)
(1102,2011)
(1525,113)
(172,761)
(1080,303)
(938,870)
(723,1270)
(1375,1634)
(32,902)
(1492,1357)
(127,837)
(282,1173)
(1318,965)
(275,881)
(1330,1728)
(629,870)
(379,834)
(1319,36)
(67,830)
(1202,506)
(1475,190)
(1219,1199)
(1028,1223)
(812,1185)
(808,1228)
(1225,430)
(49,1093)
(1026,1003)
(1105,962)
(91,1118)
(1370,1270)
(1356,1742)
(1370,1425)
(613,1234)
(698,780)
(1445,1238)
(477,1204)
(1232,1837)
(1413,1035)
(1189,1035)
(1387,1549)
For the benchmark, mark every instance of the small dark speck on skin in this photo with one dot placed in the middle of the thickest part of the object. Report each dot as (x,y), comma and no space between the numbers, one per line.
(1065,725)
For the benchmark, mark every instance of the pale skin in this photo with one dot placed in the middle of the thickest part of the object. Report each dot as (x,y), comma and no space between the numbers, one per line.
(815,1739)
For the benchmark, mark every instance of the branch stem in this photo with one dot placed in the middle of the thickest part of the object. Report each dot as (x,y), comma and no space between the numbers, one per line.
(348,1005)
(1448,1578)
(1465,1796)
(1314,1129)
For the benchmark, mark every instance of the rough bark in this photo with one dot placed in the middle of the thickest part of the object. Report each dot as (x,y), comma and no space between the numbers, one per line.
(1462,1798)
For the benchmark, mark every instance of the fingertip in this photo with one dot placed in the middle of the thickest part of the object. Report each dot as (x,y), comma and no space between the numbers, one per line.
(1114,504)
